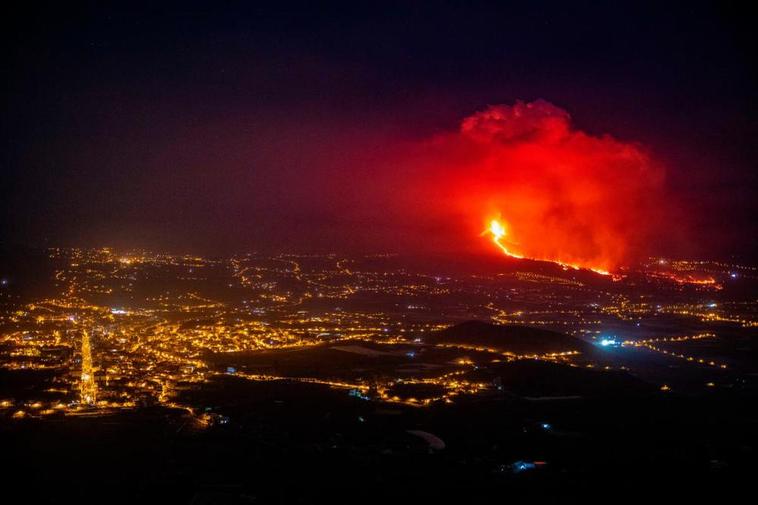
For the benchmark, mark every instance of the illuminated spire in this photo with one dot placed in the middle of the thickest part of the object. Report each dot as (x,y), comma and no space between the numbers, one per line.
(88,388)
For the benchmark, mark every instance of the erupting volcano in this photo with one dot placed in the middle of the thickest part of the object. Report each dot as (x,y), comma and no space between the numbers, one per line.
(544,190)
(498,232)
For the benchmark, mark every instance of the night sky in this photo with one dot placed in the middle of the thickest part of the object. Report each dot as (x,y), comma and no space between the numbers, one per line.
(226,126)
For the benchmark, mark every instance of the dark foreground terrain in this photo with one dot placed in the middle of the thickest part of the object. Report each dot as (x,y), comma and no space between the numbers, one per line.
(279,442)
(308,380)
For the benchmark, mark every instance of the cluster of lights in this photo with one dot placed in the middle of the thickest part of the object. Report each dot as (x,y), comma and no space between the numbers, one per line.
(123,352)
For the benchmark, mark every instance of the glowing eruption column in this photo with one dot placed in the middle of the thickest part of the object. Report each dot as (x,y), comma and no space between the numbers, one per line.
(557,194)
(88,388)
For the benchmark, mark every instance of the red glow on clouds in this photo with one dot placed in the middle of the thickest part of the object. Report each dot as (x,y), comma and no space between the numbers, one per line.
(558,193)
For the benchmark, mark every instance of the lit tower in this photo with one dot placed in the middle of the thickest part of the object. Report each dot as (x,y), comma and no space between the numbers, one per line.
(88,388)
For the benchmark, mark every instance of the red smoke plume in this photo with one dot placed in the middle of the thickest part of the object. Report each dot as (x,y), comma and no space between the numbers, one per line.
(561,194)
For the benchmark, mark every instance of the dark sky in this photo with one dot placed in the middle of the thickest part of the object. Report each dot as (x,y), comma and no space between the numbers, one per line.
(228,126)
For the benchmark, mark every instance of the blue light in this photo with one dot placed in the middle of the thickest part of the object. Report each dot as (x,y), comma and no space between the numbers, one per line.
(357,393)
(410,354)
(231,370)
(607,342)
(521,466)
(546,426)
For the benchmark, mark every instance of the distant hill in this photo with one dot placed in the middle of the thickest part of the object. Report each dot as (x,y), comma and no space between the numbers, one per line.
(515,339)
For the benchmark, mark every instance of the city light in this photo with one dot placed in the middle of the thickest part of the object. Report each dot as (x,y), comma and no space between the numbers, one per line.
(121,358)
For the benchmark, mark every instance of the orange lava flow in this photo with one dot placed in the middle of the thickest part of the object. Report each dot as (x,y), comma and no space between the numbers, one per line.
(707,282)
(498,232)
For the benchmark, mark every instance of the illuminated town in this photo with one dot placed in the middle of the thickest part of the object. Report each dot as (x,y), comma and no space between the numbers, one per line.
(128,329)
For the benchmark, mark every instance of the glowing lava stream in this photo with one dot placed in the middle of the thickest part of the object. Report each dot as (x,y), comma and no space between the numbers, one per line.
(497,230)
